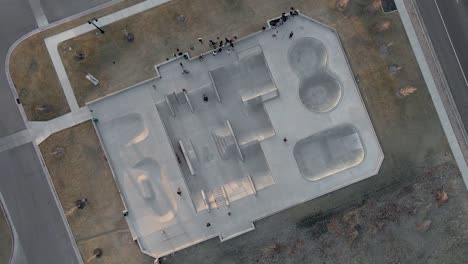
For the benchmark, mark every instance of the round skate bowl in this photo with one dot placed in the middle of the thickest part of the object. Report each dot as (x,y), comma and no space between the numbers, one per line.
(320,92)
(329,152)
(319,89)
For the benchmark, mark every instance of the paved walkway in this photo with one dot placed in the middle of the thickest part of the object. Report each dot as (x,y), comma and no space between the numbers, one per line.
(14,140)
(432,87)
(38,12)
(42,130)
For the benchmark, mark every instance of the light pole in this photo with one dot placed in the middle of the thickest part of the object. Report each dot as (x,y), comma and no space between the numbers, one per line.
(91,22)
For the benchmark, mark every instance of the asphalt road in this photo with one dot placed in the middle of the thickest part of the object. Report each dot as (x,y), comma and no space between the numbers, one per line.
(58,9)
(42,236)
(32,208)
(11,28)
(455,16)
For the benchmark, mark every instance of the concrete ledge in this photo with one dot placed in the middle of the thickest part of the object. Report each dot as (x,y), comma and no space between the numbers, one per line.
(214,87)
(235,140)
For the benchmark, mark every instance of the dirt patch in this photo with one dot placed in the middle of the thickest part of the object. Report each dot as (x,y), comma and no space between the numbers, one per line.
(79,172)
(5,239)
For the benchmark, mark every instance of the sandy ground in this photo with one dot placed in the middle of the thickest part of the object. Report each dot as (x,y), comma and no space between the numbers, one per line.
(5,239)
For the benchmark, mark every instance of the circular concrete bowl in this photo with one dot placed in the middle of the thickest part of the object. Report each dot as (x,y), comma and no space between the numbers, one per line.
(320,92)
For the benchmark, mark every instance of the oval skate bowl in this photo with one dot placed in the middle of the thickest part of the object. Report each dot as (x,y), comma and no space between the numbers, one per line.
(154,188)
(319,89)
(320,92)
(329,152)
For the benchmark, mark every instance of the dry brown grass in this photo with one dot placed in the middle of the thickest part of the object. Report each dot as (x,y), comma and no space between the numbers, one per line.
(118,247)
(35,80)
(33,74)
(83,172)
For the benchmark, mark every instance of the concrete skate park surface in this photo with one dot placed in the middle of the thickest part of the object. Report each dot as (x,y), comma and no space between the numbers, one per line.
(226,154)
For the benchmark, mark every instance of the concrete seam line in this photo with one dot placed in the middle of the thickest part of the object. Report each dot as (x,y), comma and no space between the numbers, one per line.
(437,101)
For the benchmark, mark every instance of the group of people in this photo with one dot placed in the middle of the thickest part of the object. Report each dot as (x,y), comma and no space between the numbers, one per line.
(228,43)
(275,23)
(219,45)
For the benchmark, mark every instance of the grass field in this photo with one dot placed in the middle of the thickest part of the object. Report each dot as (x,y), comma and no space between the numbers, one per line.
(33,74)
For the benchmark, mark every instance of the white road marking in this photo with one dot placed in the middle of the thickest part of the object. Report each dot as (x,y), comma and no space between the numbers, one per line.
(451,43)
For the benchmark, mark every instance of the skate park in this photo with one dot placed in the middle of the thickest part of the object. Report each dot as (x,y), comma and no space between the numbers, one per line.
(205,149)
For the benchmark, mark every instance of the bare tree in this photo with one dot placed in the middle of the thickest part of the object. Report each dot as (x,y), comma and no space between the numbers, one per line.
(408,90)
(342,5)
(97,253)
(386,48)
(79,55)
(394,69)
(374,6)
(129,35)
(181,18)
(79,204)
(43,109)
(58,152)
(382,26)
